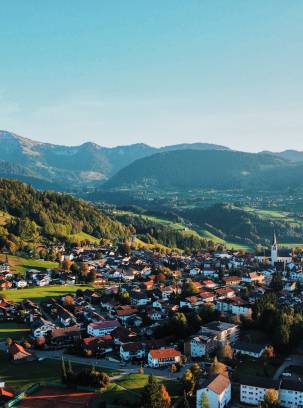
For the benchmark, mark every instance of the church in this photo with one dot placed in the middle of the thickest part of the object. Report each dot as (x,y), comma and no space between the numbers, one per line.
(275,254)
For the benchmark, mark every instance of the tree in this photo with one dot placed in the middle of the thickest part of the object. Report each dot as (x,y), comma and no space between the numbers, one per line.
(155,395)
(124,297)
(271,399)
(66,264)
(188,381)
(63,370)
(227,351)
(84,269)
(40,341)
(124,248)
(205,401)
(91,276)
(9,341)
(196,371)
(68,300)
(269,352)
(75,268)
(164,397)
(276,283)
(185,401)
(189,288)
(217,367)
(26,344)
(180,327)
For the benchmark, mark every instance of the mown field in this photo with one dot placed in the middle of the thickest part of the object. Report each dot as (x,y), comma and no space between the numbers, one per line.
(126,388)
(83,236)
(23,375)
(19,264)
(38,293)
(129,388)
(194,231)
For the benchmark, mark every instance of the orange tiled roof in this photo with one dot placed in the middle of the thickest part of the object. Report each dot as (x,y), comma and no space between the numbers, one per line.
(164,353)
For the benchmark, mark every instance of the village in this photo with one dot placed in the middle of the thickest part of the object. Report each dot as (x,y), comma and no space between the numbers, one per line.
(163,314)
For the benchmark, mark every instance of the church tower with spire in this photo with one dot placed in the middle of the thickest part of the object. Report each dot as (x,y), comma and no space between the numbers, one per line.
(274,250)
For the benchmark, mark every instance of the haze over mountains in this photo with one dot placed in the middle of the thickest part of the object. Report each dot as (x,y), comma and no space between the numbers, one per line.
(198,165)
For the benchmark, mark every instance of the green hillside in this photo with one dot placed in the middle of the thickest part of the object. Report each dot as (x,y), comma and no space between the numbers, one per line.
(219,169)
(30,217)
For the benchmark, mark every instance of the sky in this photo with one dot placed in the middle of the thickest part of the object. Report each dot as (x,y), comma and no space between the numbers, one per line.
(160,72)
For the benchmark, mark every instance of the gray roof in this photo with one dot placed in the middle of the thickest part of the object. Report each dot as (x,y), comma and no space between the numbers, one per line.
(249,347)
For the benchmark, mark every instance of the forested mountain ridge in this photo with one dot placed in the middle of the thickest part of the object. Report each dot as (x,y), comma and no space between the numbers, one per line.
(233,223)
(221,169)
(30,217)
(69,167)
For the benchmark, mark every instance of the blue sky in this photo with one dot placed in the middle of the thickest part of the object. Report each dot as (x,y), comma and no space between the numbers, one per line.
(159,72)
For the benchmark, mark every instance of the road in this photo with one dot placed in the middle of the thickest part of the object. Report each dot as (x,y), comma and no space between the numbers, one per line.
(104,363)
(293,359)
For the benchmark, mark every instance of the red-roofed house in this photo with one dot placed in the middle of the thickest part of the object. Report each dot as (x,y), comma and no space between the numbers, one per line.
(17,353)
(163,357)
(102,328)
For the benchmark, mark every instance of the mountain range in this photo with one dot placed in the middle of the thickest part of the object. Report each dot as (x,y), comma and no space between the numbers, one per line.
(87,164)
(197,165)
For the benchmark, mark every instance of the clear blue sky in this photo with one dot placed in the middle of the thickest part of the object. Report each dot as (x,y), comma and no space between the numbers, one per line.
(153,71)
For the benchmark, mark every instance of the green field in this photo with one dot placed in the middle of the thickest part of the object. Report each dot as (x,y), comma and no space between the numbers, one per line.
(39,293)
(194,231)
(291,245)
(83,236)
(23,375)
(20,265)
(129,388)
(13,330)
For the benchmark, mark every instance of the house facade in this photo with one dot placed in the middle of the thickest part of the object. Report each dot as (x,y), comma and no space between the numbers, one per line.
(217,390)
(102,328)
(163,357)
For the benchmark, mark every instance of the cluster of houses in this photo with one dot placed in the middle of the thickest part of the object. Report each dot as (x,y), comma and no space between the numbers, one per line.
(138,293)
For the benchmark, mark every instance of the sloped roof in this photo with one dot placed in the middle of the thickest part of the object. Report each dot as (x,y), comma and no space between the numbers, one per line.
(218,384)
(164,353)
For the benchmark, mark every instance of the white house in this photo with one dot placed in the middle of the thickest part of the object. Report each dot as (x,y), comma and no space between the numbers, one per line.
(102,328)
(217,390)
(291,393)
(163,357)
(131,350)
(235,305)
(4,267)
(200,346)
(20,283)
(253,389)
(224,331)
(41,327)
(195,271)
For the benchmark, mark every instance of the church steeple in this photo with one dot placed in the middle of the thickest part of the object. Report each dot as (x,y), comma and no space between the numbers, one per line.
(274,250)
